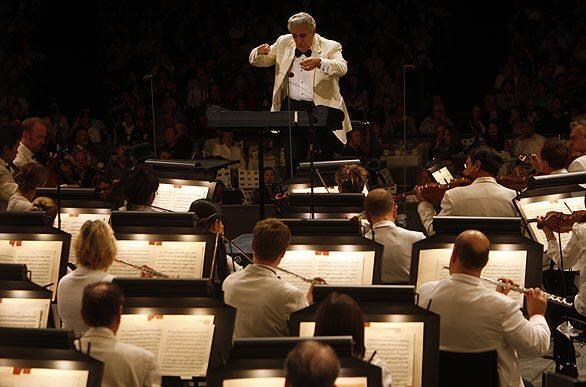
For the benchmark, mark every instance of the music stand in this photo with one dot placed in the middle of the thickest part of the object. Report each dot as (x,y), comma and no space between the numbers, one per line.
(28,303)
(393,304)
(158,297)
(327,206)
(325,227)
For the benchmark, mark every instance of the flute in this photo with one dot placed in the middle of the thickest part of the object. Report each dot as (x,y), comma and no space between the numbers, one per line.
(550,297)
(304,279)
(145,269)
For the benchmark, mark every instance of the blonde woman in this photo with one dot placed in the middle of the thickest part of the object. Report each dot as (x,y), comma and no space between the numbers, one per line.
(95,248)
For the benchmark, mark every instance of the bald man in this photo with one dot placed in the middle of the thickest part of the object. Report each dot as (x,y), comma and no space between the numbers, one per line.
(312,363)
(476,318)
(578,147)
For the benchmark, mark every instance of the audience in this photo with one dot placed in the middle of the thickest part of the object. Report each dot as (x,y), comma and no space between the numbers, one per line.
(28,178)
(312,364)
(340,315)
(95,250)
(125,365)
(228,150)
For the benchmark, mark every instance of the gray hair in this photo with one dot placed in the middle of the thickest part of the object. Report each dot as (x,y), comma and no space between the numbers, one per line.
(301,18)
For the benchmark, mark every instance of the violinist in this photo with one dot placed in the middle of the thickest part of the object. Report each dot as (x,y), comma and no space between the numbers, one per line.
(578,147)
(8,147)
(484,197)
(552,159)
(33,137)
(573,252)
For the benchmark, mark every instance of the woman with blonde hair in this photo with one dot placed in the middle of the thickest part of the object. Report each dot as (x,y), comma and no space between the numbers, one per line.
(95,249)
(28,178)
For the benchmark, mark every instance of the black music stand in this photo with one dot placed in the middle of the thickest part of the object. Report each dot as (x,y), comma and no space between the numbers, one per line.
(384,303)
(27,291)
(264,358)
(156,227)
(324,227)
(327,206)
(182,297)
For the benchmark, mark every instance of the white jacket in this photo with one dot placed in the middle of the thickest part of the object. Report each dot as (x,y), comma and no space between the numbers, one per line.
(477,319)
(484,197)
(326,88)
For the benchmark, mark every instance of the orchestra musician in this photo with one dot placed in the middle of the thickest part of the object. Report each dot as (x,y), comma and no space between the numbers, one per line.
(484,197)
(578,147)
(9,142)
(307,71)
(264,301)
(475,318)
(311,363)
(28,178)
(33,137)
(553,157)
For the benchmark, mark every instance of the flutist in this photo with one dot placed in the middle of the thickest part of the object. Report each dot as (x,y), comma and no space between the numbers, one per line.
(264,301)
(475,318)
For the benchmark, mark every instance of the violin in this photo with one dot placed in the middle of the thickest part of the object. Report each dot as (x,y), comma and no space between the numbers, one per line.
(515,182)
(560,222)
(434,192)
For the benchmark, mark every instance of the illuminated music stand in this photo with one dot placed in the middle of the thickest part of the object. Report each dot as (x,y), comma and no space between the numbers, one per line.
(327,206)
(18,227)
(264,358)
(326,227)
(384,303)
(504,235)
(25,294)
(76,198)
(162,227)
(181,297)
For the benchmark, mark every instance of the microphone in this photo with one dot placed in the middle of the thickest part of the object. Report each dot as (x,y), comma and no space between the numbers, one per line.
(148,77)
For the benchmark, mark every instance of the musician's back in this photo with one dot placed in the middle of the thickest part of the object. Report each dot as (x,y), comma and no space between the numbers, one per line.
(475,318)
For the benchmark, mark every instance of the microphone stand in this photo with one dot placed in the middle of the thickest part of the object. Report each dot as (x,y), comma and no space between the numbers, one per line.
(153,115)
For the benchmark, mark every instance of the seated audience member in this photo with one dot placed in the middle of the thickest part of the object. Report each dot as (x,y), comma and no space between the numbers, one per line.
(140,189)
(352,147)
(83,171)
(484,197)
(351,179)
(381,212)
(175,147)
(9,142)
(475,318)
(28,178)
(578,148)
(340,315)
(95,250)
(553,158)
(210,143)
(272,188)
(118,164)
(312,364)
(81,141)
(262,299)
(127,132)
(438,117)
(95,128)
(494,137)
(449,144)
(68,172)
(529,141)
(125,365)
(228,150)
(32,139)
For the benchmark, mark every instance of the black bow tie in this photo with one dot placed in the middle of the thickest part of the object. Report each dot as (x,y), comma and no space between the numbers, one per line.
(299,53)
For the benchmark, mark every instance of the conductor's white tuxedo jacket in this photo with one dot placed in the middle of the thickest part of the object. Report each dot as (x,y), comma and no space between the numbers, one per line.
(326,88)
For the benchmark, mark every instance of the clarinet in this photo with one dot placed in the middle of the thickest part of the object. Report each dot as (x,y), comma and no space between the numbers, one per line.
(145,269)
(519,289)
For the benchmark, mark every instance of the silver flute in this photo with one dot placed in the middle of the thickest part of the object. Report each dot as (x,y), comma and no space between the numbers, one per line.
(550,297)
(144,268)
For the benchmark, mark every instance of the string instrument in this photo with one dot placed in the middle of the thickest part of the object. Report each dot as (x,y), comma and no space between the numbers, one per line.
(513,181)
(519,289)
(434,192)
(560,222)
(148,271)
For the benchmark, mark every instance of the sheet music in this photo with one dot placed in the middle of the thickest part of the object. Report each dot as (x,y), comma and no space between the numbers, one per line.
(355,381)
(539,236)
(175,258)
(501,264)
(333,189)
(181,343)
(71,223)
(24,312)
(337,267)
(399,344)
(42,258)
(442,176)
(43,377)
(531,211)
(178,197)
(6,253)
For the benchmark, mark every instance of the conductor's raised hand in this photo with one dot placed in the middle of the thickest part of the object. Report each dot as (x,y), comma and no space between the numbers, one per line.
(536,302)
(310,64)
(263,49)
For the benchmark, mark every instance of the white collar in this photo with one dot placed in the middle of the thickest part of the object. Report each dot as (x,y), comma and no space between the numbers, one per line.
(384,223)
(469,279)
(100,332)
(25,151)
(559,171)
(486,179)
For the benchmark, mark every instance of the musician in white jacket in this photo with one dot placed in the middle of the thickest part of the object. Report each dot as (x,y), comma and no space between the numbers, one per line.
(484,197)
(476,318)
(307,69)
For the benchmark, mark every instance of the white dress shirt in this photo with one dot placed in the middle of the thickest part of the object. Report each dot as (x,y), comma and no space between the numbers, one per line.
(477,319)
(559,171)
(24,156)
(7,184)
(125,365)
(484,197)
(18,203)
(70,292)
(301,83)
(578,165)
(263,301)
(398,243)
(232,153)
(574,252)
